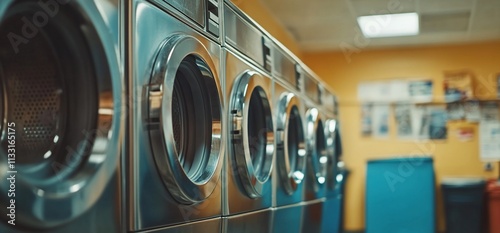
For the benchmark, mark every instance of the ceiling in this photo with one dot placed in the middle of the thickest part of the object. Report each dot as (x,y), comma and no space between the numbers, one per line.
(331,24)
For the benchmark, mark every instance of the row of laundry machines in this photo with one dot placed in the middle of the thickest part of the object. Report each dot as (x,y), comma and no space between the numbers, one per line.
(159,116)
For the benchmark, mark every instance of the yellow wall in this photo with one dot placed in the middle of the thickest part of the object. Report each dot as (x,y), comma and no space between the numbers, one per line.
(261,14)
(451,157)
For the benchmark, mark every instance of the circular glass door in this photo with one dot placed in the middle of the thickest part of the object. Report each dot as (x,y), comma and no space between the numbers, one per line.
(291,153)
(185,119)
(316,149)
(332,170)
(59,132)
(252,132)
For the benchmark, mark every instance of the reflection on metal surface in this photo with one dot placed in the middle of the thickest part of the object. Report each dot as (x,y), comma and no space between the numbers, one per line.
(253,222)
(291,154)
(317,171)
(332,169)
(54,87)
(194,9)
(184,106)
(243,35)
(252,132)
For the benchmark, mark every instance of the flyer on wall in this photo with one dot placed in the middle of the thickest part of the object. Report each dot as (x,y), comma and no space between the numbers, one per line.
(381,121)
(366,119)
(402,112)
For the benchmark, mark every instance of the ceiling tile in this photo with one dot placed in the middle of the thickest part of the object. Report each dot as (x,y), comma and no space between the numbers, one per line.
(325,24)
(444,22)
(435,6)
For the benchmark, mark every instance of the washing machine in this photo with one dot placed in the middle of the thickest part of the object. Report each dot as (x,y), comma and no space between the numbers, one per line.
(251,147)
(290,160)
(328,104)
(328,109)
(317,159)
(177,130)
(62,117)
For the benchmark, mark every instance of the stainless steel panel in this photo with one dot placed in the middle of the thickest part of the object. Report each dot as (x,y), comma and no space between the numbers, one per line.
(328,101)
(311,88)
(194,9)
(284,67)
(151,204)
(236,198)
(205,226)
(288,219)
(312,217)
(253,222)
(327,222)
(243,36)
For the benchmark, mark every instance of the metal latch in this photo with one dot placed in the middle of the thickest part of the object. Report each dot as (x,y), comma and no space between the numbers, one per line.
(155,99)
(237,122)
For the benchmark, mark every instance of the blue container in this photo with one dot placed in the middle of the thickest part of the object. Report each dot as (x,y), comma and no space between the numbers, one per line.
(400,196)
(463,202)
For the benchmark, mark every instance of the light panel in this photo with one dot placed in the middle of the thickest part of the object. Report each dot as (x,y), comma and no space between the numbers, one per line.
(389,25)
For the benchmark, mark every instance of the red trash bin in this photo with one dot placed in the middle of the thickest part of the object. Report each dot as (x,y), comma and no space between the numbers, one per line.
(494,206)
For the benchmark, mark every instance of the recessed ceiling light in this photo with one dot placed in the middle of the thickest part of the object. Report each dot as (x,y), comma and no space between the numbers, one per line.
(389,25)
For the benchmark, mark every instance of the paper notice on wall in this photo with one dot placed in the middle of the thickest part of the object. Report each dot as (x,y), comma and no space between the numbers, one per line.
(458,85)
(373,92)
(455,110)
(472,111)
(420,91)
(366,119)
(465,133)
(489,111)
(489,140)
(364,92)
(498,86)
(421,122)
(381,121)
(438,123)
(403,116)
(399,91)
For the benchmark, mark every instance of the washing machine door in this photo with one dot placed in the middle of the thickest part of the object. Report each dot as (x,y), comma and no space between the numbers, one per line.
(60,108)
(290,143)
(331,141)
(184,119)
(316,149)
(252,132)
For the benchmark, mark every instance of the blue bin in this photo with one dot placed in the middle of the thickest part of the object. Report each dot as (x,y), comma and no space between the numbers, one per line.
(400,196)
(463,201)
